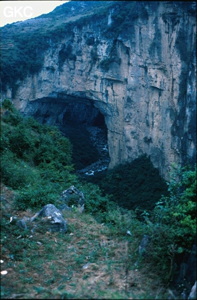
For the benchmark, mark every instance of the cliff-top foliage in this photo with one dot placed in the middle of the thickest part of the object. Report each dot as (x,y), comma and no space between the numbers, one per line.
(23,44)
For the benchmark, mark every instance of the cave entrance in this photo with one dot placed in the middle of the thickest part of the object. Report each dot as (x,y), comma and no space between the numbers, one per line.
(83,124)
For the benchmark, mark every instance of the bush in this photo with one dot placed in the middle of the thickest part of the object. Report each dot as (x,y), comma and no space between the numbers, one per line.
(34,142)
(135,185)
(97,204)
(35,160)
(52,148)
(179,209)
(20,61)
(15,173)
(37,195)
(21,141)
(9,113)
(66,53)
(7,104)
(172,224)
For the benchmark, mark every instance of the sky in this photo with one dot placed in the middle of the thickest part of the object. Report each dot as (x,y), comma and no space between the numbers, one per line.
(13,11)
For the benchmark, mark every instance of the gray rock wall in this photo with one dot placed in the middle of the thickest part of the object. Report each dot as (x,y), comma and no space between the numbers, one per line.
(142,81)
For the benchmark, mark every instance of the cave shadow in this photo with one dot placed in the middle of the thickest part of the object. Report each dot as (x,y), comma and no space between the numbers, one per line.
(81,122)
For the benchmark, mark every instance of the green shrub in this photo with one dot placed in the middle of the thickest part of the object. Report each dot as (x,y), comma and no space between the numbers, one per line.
(135,185)
(66,53)
(35,161)
(172,224)
(7,104)
(126,13)
(34,142)
(179,208)
(52,147)
(12,119)
(96,204)
(14,172)
(121,221)
(21,140)
(20,60)
(37,195)
(10,115)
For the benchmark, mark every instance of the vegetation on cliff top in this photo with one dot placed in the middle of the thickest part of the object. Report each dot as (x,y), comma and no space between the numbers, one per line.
(36,168)
(23,44)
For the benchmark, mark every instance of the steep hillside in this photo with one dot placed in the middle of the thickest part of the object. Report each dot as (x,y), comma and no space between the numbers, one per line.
(134,61)
(104,251)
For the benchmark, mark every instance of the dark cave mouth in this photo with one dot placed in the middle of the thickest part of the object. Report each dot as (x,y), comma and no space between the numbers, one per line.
(81,122)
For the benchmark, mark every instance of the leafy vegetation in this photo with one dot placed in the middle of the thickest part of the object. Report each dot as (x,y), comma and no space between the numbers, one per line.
(24,57)
(36,159)
(23,45)
(85,263)
(66,53)
(36,167)
(123,18)
(135,185)
(173,221)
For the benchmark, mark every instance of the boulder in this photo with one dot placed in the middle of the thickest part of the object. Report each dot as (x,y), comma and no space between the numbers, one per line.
(143,244)
(72,196)
(193,293)
(52,216)
(49,218)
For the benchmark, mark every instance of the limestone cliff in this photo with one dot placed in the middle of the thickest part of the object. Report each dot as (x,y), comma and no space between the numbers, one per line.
(135,62)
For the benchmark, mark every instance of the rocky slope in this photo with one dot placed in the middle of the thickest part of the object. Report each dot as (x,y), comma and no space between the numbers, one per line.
(135,62)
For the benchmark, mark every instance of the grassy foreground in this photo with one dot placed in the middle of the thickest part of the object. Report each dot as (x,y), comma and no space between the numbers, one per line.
(96,258)
(90,261)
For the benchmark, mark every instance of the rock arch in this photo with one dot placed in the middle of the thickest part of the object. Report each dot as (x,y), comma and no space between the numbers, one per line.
(79,120)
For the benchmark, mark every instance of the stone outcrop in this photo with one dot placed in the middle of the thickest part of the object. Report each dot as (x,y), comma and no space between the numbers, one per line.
(142,80)
(143,244)
(193,292)
(49,218)
(72,196)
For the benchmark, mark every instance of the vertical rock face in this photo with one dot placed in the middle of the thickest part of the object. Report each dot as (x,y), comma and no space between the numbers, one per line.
(142,80)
